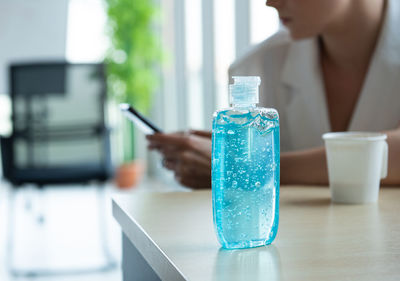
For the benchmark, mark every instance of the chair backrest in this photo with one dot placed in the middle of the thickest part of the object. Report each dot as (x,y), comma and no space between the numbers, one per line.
(59,133)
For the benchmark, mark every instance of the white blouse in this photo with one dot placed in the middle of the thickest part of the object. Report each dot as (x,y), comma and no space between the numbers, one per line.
(291,82)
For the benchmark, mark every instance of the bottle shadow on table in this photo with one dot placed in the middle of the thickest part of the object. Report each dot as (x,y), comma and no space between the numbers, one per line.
(261,263)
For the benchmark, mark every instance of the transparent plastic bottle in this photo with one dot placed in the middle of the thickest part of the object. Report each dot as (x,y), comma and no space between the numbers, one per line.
(245,169)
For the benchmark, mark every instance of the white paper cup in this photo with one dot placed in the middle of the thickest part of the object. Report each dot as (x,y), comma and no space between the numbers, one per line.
(357,161)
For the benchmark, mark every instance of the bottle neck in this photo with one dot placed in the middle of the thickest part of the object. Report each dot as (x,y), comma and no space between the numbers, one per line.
(244,105)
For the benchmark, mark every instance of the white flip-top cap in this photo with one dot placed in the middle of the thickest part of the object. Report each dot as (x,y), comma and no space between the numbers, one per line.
(244,89)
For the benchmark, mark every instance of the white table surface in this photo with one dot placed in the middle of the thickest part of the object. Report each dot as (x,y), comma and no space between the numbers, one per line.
(316,240)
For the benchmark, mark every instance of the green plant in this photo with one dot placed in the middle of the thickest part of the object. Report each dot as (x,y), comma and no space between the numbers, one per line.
(132,59)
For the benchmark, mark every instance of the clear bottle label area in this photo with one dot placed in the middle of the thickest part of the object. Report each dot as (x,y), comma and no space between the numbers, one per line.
(245,176)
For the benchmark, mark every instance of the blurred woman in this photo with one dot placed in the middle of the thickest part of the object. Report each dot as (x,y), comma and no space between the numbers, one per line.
(336,67)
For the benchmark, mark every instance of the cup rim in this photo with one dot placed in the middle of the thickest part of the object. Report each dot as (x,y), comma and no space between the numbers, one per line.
(354,136)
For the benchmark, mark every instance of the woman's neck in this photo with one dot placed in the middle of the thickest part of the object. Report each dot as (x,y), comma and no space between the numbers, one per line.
(350,41)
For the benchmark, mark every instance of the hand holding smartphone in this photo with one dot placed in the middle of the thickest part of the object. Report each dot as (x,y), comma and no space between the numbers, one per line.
(139,120)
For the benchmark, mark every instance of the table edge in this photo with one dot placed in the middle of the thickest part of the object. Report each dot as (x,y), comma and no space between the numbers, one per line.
(150,251)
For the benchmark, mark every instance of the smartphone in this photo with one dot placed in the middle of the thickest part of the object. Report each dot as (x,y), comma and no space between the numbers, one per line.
(144,125)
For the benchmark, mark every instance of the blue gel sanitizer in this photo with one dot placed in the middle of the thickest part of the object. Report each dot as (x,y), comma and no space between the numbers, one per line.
(245,169)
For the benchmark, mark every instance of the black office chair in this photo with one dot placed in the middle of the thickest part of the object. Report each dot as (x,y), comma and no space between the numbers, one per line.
(59,135)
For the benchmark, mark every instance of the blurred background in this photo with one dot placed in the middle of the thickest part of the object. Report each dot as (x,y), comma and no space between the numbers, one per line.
(65,66)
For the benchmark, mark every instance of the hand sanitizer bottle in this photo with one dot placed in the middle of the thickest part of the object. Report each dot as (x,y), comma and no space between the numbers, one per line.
(245,169)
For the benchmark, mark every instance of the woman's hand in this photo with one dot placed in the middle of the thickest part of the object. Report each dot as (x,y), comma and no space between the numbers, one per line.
(187,154)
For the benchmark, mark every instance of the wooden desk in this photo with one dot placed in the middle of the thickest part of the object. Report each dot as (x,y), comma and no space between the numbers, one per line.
(171,236)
